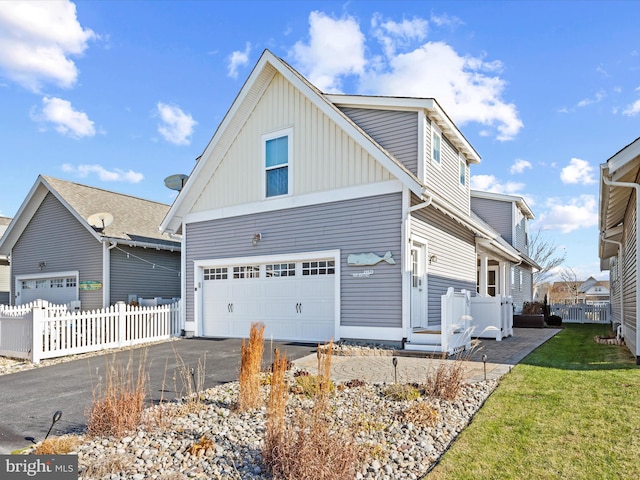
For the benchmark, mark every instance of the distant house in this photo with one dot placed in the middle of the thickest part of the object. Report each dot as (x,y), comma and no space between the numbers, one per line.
(331,216)
(509,215)
(72,242)
(590,291)
(4,266)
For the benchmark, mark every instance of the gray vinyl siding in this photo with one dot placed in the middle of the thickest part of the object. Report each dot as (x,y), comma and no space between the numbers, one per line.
(522,242)
(454,247)
(396,131)
(629,275)
(615,291)
(444,179)
(56,237)
(147,273)
(521,291)
(365,225)
(498,214)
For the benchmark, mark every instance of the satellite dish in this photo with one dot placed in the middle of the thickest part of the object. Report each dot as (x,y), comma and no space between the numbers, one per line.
(100,221)
(176,182)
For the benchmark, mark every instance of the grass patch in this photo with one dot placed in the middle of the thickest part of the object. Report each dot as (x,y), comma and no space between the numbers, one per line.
(569,410)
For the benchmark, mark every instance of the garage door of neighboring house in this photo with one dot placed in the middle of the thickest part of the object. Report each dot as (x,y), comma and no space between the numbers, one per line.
(295,298)
(57,288)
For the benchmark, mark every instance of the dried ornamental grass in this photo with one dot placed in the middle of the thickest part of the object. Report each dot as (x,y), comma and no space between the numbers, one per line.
(250,363)
(446,381)
(57,445)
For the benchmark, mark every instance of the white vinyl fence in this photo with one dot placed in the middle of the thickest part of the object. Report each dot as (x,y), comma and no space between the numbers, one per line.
(492,317)
(48,331)
(456,321)
(583,312)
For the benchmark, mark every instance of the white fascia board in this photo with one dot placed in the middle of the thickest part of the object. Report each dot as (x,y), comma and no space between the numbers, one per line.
(283,203)
(624,156)
(503,197)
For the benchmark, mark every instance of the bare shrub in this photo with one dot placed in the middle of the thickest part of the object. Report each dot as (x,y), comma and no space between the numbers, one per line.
(446,381)
(250,363)
(420,413)
(401,391)
(191,378)
(118,404)
(57,445)
(104,466)
(308,447)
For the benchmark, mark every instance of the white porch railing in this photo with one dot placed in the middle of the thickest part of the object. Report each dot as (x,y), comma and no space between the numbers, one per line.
(583,312)
(47,331)
(492,317)
(456,321)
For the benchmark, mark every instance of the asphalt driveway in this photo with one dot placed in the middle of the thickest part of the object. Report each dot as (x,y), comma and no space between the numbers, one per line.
(29,399)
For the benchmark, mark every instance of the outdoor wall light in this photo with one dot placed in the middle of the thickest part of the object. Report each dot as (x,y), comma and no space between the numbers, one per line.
(41,265)
(433,259)
(256,238)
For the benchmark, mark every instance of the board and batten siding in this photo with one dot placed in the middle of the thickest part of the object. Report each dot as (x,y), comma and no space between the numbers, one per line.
(56,237)
(323,156)
(396,131)
(454,247)
(145,272)
(365,225)
(444,179)
(497,214)
(629,274)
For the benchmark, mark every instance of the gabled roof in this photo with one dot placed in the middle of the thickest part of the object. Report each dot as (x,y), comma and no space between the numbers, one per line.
(518,200)
(135,220)
(268,65)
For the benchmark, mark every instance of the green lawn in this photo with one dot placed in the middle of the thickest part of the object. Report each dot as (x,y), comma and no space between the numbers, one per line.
(570,410)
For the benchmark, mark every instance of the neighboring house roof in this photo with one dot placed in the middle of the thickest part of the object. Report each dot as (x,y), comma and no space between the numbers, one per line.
(623,167)
(135,220)
(518,200)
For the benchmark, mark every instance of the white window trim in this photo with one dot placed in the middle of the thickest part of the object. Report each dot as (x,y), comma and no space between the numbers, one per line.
(435,132)
(461,162)
(286,132)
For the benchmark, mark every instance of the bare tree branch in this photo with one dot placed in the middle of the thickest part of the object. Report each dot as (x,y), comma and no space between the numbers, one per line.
(545,254)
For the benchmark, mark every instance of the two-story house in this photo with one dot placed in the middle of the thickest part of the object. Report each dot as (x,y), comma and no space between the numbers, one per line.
(327,216)
(4,266)
(509,215)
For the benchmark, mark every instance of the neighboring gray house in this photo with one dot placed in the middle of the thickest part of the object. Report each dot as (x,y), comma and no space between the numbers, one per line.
(327,216)
(4,266)
(619,247)
(509,215)
(73,242)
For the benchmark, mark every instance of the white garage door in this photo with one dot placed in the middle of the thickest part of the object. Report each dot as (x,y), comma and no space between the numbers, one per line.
(58,289)
(295,300)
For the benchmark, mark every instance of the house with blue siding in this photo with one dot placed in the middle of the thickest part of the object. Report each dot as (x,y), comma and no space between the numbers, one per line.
(509,216)
(71,242)
(328,216)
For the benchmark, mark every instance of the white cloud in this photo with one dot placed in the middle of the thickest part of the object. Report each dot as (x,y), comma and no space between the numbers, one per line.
(335,48)
(599,96)
(238,59)
(632,110)
(393,34)
(581,212)
(66,120)
(520,166)
(36,40)
(176,126)
(489,183)
(115,175)
(578,171)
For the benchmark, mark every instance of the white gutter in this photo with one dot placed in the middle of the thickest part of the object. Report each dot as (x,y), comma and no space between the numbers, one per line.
(619,244)
(636,186)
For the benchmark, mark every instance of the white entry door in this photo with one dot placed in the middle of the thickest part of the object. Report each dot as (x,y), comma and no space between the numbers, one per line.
(418,285)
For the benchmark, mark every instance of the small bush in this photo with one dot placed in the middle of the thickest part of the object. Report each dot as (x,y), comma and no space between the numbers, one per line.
(118,405)
(554,321)
(446,381)
(311,385)
(532,308)
(420,413)
(250,363)
(355,383)
(400,391)
(57,445)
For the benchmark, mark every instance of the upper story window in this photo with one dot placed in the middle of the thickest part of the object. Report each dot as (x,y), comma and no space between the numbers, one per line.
(277,158)
(463,171)
(436,144)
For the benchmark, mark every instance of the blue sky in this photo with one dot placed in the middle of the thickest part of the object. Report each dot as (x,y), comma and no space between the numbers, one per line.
(120,95)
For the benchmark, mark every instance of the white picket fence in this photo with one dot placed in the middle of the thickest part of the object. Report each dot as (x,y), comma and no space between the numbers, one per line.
(48,331)
(583,312)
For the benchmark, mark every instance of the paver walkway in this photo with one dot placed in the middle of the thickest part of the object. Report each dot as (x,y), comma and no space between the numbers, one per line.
(501,357)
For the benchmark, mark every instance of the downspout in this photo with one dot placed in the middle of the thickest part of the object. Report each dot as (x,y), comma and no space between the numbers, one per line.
(636,186)
(107,246)
(619,244)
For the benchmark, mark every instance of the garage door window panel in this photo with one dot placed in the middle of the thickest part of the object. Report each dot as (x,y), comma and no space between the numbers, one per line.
(280,270)
(321,267)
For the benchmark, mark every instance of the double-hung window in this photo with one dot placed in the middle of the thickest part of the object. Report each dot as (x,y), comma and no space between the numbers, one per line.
(277,158)
(436,144)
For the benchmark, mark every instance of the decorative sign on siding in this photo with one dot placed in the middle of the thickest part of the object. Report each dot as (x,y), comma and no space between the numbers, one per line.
(364,274)
(360,259)
(89,285)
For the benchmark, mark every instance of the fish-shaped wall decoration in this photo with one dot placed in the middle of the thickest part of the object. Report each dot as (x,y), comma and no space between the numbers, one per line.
(369,259)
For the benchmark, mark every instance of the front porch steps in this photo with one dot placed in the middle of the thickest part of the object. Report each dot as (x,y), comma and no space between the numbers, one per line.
(425,339)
